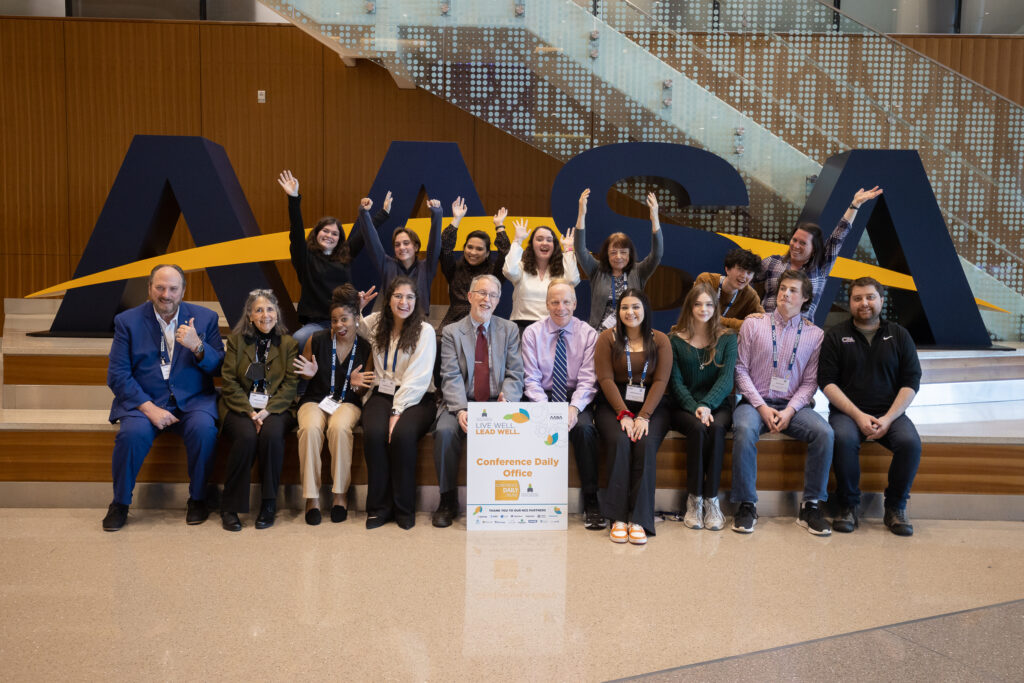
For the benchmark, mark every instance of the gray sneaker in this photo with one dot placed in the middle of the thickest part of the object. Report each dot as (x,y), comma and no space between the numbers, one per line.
(694,512)
(811,519)
(898,522)
(847,520)
(745,519)
(713,518)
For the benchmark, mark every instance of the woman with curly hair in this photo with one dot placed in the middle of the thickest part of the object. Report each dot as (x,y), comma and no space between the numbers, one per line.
(401,408)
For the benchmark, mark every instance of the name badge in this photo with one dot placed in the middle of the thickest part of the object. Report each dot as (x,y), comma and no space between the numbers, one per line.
(165,370)
(608,322)
(635,393)
(387,386)
(779,384)
(257,400)
(329,405)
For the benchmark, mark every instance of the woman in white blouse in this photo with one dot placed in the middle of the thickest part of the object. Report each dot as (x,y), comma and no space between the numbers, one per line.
(531,267)
(401,407)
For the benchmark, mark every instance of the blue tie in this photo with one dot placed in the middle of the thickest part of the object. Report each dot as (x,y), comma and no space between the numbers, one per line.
(559,374)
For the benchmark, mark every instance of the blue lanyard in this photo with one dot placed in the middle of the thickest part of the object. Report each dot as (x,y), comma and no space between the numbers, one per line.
(615,290)
(334,360)
(731,301)
(629,367)
(775,347)
(394,363)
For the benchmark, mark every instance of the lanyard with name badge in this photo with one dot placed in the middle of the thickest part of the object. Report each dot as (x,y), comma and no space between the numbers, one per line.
(635,393)
(731,301)
(258,399)
(777,383)
(387,384)
(165,360)
(330,404)
(610,320)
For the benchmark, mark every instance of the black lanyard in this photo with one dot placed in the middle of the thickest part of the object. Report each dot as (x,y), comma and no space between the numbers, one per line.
(334,360)
(775,347)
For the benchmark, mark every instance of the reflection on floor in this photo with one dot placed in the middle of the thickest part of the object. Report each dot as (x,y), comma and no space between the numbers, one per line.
(161,600)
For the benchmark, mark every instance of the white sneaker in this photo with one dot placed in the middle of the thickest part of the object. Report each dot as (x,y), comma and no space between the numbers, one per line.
(713,517)
(694,511)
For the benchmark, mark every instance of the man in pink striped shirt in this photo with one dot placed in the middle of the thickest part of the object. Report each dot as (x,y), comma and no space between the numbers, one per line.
(776,372)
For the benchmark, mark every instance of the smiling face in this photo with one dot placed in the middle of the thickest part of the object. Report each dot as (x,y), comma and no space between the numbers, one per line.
(263,315)
(737,278)
(801,248)
(165,291)
(475,251)
(561,303)
(618,258)
(405,248)
(865,305)
(328,237)
(403,302)
(631,312)
(483,298)
(703,308)
(343,323)
(790,298)
(542,243)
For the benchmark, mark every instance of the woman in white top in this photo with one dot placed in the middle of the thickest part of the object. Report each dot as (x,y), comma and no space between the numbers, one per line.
(401,407)
(531,267)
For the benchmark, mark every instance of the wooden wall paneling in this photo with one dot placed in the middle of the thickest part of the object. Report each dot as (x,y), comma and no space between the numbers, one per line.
(996,62)
(263,139)
(125,78)
(33,154)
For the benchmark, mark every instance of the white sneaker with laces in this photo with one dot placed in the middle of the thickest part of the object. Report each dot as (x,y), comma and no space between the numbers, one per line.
(694,512)
(713,517)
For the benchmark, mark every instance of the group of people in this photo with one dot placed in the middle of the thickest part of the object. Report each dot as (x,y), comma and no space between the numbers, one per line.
(625,383)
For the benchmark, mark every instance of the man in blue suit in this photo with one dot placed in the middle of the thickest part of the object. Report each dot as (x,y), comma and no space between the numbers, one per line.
(163,359)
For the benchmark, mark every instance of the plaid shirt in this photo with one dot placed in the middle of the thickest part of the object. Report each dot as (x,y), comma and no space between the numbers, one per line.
(773,267)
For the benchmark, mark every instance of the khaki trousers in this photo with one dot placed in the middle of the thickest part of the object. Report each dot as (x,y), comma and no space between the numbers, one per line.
(312,423)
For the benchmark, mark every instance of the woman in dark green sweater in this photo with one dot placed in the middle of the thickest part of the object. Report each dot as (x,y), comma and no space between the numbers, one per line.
(704,358)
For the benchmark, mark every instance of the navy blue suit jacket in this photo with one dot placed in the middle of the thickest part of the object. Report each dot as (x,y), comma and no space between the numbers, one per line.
(133,373)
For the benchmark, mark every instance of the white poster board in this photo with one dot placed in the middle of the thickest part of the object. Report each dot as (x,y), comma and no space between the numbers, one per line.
(517,468)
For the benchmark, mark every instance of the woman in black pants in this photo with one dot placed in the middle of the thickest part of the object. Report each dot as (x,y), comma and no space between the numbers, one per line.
(633,363)
(704,360)
(401,408)
(256,406)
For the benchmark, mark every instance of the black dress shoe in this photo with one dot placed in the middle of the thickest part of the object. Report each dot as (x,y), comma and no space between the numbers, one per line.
(338,513)
(405,522)
(230,521)
(442,516)
(196,512)
(313,516)
(265,519)
(377,521)
(117,515)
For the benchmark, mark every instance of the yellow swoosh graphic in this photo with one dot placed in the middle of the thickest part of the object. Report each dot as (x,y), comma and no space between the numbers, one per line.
(274,247)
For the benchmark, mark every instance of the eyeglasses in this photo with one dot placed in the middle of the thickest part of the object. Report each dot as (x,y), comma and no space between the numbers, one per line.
(397,296)
(493,296)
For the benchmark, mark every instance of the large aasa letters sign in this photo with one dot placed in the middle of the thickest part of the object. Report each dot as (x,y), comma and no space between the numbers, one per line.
(163,177)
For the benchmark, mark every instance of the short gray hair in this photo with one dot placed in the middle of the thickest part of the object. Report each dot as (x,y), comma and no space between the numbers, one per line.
(486,276)
(244,324)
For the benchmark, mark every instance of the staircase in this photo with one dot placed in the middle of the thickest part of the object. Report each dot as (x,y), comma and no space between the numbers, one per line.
(773,86)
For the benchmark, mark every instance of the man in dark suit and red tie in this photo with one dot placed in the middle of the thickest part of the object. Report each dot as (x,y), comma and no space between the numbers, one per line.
(163,359)
(480,361)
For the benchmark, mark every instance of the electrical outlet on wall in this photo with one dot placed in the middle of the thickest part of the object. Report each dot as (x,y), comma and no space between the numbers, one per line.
(261,96)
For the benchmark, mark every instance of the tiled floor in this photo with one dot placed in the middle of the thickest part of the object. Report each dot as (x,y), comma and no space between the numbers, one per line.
(161,600)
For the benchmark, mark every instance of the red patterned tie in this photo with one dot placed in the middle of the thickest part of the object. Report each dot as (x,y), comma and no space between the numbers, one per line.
(481,368)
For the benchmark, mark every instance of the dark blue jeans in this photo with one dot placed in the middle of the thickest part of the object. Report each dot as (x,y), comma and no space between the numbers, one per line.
(902,439)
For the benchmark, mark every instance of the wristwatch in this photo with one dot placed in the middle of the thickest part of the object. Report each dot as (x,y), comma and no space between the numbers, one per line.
(395,413)
(199,349)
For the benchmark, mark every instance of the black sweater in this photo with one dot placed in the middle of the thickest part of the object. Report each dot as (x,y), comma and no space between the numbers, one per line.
(318,274)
